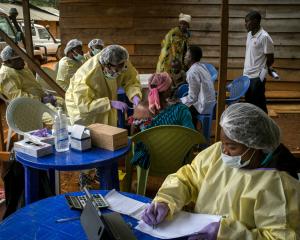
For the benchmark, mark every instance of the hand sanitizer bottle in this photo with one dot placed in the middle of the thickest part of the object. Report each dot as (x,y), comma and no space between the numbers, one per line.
(61,131)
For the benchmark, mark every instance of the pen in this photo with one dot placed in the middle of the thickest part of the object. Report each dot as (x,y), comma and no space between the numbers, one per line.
(61,220)
(153,226)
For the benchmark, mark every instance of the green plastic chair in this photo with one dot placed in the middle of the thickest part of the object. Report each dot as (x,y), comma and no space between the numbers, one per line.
(169,148)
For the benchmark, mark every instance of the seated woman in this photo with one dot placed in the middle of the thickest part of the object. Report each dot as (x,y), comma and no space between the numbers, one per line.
(161,108)
(236,178)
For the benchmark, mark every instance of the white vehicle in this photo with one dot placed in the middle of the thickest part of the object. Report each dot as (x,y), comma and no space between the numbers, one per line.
(6,26)
(42,37)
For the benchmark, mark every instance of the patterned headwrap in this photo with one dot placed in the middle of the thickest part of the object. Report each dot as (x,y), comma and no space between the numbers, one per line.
(158,82)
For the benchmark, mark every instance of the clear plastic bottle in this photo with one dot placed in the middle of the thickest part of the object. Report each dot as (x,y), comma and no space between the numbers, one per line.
(61,131)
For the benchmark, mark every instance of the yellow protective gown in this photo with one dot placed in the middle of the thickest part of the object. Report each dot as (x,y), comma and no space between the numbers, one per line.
(89,94)
(256,204)
(66,69)
(87,56)
(19,83)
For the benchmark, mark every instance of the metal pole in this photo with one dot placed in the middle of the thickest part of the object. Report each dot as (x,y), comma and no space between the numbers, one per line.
(222,66)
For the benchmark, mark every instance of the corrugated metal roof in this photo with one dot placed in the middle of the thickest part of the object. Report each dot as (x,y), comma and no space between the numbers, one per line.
(51,10)
(34,14)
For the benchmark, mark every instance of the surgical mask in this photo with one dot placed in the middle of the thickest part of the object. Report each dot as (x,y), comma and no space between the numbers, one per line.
(95,51)
(78,57)
(111,75)
(235,161)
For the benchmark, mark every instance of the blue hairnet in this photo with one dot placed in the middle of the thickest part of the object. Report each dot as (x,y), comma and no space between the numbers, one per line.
(72,44)
(8,53)
(247,124)
(113,54)
(96,42)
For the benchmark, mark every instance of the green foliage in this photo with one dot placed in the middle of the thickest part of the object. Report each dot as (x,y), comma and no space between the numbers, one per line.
(42,3)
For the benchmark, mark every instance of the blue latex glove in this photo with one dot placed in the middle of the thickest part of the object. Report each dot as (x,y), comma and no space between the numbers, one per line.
(119,105)
(135,100)
(155,213)
(210,232)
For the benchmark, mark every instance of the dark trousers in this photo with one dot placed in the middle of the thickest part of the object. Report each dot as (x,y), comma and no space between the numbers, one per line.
(256,93)
(194,114)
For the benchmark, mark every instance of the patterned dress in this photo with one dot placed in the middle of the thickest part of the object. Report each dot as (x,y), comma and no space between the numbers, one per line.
(173,46)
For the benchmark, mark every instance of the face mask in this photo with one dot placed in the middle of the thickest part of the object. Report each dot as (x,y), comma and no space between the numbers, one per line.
(95,51)
(235,161)
(78,57)
(111,75)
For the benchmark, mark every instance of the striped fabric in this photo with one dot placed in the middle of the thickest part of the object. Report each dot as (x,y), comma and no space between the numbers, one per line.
(176,114)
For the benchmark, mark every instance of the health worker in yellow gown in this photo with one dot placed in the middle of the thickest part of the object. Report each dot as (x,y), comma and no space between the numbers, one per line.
(92,94)
(239,178)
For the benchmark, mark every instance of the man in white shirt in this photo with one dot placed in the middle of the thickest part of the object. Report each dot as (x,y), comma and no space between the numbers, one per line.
(201,96)
(259,58)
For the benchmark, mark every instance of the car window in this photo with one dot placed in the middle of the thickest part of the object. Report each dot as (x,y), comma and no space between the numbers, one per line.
(33,32)
(6,27)
(43,33)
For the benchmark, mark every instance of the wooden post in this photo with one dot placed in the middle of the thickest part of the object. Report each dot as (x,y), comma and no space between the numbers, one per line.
(27,26)
(222,67)
(32,64)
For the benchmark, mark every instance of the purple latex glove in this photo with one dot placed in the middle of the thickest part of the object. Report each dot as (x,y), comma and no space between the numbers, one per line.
(155,213)
(49,98)
(40,133)
(210,232)
(135,100)
(119,105)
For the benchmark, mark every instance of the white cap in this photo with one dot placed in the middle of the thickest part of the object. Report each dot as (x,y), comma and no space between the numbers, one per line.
(247,124)
(8,53)
(185,17)
(96,42)
(113,54)
(72,44)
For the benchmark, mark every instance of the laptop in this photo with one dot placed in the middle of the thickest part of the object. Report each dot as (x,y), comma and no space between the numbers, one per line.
(109,226)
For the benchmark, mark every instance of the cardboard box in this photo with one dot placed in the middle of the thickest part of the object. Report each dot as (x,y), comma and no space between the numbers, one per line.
(108,137)
(33,149)
(80,138)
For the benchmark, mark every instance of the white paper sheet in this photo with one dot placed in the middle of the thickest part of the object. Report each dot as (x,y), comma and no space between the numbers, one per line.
(125,205)
(182,224)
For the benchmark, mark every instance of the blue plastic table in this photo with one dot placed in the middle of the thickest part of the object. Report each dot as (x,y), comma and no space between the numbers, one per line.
(38,221)
(105,160)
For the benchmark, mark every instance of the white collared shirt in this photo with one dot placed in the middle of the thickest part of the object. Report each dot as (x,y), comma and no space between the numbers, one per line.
(257,46)
(201,89)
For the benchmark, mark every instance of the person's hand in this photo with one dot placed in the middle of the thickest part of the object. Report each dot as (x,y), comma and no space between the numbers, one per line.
(155,213)
(210,232)
(49,98)
(135,100)
(119,105)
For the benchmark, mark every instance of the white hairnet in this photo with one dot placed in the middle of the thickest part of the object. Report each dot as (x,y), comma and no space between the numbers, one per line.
(247,124)
(8,53)
(113,54)
(72,44)
(96,42)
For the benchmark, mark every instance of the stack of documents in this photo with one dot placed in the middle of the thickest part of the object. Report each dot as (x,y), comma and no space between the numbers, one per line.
(125,205)
(182,224)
